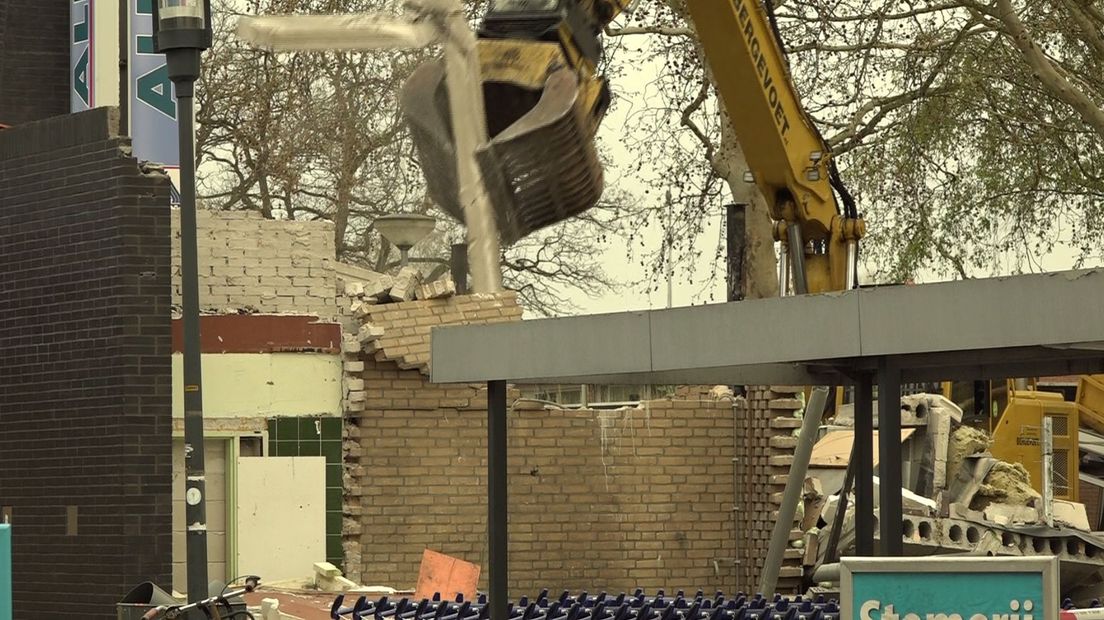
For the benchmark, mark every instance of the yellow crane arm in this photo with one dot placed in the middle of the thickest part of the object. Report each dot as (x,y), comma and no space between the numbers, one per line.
(789,160)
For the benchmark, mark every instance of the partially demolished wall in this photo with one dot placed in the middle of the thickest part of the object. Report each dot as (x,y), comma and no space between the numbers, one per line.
(763,454)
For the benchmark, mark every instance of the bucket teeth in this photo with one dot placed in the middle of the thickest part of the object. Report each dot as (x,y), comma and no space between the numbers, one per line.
(538,171)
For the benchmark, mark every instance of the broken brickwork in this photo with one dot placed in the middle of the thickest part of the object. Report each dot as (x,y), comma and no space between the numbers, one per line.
(85,375)
(602,500)
(762,463)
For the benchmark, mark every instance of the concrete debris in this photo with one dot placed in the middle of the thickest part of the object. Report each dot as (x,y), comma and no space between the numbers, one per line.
(328,578)
(1008,514)
(406,283)
(354,289)
(438,289)
(722,391)
(916,410)
(369,332)
(1072,514)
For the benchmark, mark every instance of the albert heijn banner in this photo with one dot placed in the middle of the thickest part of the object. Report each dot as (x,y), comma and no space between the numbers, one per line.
(93,54)
(934,588)
(153,114)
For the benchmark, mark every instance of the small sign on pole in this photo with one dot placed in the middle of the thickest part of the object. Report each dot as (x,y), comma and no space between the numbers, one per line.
(934,588)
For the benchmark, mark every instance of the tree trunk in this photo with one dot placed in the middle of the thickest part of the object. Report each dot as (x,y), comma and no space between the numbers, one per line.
(760,264)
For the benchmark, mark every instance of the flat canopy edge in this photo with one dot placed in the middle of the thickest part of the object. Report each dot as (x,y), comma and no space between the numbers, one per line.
(1050,322)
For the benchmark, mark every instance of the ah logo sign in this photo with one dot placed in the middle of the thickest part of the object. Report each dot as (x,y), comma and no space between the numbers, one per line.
(153,88)
(80,55)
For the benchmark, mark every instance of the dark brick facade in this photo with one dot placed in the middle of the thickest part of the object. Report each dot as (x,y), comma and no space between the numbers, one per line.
(34,60)
(85,366)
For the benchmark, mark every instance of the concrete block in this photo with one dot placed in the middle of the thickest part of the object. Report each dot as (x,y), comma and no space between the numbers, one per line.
(438,289)
(406,283)
(354,289)
(369,332)
(1072,514)
(350,344)
(353,366)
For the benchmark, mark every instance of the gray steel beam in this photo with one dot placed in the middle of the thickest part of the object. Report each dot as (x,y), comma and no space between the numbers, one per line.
(864,466)
(890,510)
(496,499)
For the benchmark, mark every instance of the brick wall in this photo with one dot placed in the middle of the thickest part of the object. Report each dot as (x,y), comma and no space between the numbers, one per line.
(599,500)
(762,464)
(34,60)
(267,266)
(85,394)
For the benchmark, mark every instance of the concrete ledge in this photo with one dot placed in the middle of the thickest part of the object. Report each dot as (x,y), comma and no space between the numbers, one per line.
(1014,326)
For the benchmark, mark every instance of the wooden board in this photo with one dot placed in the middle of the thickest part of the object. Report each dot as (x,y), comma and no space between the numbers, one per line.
(448,575)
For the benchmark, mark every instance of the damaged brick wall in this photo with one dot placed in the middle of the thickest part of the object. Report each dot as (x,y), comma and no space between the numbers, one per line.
(264,266)
(34,60)
(85,394)
(762,464)
(602,500)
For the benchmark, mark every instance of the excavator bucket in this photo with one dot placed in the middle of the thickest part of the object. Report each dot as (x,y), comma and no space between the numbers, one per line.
(539,169)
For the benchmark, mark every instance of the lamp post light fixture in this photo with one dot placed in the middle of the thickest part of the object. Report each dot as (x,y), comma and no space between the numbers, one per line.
(182,30)
(404,231)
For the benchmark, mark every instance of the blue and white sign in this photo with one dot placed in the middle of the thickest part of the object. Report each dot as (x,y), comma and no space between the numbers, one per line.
(5,572)
(152,100)
(81,64)
(933,588)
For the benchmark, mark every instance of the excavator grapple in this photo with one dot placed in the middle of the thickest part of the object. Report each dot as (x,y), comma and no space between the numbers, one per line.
(540,166)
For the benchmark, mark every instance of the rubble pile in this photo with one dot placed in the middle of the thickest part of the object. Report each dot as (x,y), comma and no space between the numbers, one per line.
(957,498)
(364,288)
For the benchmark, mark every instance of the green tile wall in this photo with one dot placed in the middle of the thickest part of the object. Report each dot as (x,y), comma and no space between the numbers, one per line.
(315,436)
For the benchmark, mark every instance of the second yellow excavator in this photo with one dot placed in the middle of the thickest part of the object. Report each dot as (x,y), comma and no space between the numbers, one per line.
(545,99)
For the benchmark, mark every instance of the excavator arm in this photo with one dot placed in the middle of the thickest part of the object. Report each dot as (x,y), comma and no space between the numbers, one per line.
(545,99)
(789,160)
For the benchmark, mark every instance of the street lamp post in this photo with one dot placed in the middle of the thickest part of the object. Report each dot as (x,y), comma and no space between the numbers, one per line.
(404,231)
(182,30)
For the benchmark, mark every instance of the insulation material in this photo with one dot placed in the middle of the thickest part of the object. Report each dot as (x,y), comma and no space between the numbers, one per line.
(1006,483)
(965,441)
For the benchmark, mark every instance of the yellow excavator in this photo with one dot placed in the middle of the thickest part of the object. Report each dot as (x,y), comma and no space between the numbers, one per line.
(545,99)
(1013,412)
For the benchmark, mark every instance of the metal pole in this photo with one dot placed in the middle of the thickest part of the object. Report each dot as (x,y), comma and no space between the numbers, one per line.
(1048,470)
(669,268)
(831,553)
(797,259)
(469,127)
(784,270)
(780,536)
(852,264)
(496,498)
(889,459)
(458,265)
(195,484)
(735,229)
(864,466)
